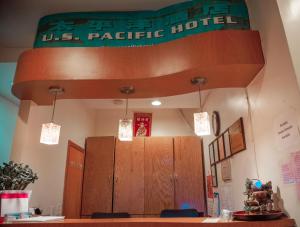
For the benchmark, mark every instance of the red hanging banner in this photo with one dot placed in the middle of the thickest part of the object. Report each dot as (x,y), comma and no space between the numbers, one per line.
(210,192)
(142,124)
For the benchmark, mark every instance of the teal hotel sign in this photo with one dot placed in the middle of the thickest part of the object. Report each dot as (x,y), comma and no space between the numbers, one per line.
(141,28)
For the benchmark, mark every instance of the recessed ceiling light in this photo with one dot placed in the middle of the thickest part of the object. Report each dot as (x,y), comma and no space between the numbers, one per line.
(156,103)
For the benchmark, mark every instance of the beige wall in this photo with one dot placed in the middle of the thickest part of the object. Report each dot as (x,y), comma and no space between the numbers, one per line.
(290,15)
(49,161)
(231,105)
(166,122)
(273,93)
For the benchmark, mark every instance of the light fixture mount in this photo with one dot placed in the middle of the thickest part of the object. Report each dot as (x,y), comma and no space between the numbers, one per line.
(199,81)
(127,90)
(56,90)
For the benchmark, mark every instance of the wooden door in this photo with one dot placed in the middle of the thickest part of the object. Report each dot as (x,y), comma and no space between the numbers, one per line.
(129,176)
(159,185)
(98,175)
(189,173)
(73,181)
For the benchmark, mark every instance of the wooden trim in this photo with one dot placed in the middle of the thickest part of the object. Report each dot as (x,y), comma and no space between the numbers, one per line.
(73,144)
(156,222)
(204,177)
(77,147)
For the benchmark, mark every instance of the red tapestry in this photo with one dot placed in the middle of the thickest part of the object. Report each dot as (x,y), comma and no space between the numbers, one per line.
(210,192)
(142,124)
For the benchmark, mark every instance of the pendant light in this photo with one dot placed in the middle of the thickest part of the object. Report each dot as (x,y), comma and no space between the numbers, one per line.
(50,131)
(125,124)
(201,120)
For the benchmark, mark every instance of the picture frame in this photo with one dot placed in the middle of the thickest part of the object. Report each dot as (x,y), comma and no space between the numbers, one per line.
(226,170)
(221,148)
(211,154)
(216,151)
(214,175)
(227,144)
(237,137)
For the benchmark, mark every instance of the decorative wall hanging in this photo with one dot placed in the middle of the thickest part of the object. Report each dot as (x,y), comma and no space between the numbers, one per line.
(237,137)
(214,175)
(221,147)
(215,122)
(141,28)
(210,192)
(142,124)
(211,154)
(216,150)
(226,170)
(228,143)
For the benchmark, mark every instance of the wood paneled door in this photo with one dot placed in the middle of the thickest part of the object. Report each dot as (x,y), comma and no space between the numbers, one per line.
(73,181)
(98,175)
(189,173)
(159,184)
(129,176)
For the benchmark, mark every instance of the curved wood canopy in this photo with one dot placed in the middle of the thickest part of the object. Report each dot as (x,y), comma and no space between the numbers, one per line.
(226,58)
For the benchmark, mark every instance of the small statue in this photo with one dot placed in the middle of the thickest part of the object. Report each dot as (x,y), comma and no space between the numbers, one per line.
(259,196)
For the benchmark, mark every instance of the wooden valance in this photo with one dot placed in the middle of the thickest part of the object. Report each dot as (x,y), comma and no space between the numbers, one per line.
(230,58)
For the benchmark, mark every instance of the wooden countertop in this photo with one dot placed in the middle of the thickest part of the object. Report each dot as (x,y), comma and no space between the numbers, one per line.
(154,222)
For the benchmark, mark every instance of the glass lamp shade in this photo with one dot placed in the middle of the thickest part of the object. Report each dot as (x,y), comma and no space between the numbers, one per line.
(125,130)
(50,134)
(201,124)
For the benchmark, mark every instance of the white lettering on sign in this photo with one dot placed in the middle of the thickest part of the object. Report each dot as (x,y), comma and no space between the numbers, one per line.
(141,34)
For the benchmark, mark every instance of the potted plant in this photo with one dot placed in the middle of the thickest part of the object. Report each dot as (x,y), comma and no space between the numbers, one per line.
(14,178)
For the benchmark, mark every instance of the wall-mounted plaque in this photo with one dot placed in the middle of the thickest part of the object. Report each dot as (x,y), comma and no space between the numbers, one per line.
(226,170)
(237,137)
(221,148)
(227,144)
(211,154)
(214,175)
(215,123)
(216,150)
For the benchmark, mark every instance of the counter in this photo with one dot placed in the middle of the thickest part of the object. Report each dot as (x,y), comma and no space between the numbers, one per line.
(154,222)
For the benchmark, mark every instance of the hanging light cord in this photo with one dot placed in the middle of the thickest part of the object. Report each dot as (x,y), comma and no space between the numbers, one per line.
(251,130)
(200,98)
(126,109)
(53,110)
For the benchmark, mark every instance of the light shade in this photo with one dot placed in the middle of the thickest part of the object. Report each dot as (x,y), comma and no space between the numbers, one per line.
(125,130)
(50,134)
(201,124)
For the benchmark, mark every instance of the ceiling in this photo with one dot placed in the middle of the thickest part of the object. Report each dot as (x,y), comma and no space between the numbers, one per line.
(19,18)
(190,100)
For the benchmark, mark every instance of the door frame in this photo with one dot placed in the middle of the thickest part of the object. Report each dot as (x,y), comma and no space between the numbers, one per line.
(79,148)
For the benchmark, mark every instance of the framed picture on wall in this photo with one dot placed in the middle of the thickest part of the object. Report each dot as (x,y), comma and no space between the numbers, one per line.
(226,170)
(221,148)
(211,153)
(227,144)
(214,175)
(237,137)
(216,150)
